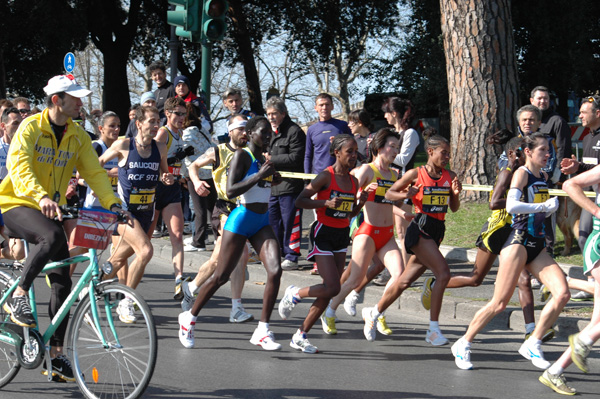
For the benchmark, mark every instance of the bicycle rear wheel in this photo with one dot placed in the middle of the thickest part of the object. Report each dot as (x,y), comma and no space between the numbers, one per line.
(9,365)
(124,367)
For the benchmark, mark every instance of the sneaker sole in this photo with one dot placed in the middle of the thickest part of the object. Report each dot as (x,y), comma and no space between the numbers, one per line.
(14,320)
(575,359)
(61,376)
(434,344)
(232,320)
(298,347)
(261,345)
(550,385)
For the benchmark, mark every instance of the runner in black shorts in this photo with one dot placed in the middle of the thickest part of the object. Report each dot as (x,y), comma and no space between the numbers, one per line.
(141,161)
(335,204)
(529,202)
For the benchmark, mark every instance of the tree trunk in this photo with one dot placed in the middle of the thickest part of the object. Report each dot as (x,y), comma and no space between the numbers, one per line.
(482,83)
(246,54)
(116,87)
(114,40)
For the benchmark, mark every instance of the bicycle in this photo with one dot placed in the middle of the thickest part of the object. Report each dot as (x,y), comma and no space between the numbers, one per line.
(110,358)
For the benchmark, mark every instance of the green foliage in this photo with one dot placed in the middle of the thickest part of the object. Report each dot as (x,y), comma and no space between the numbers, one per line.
(558,44)
(36,37)
(417,65)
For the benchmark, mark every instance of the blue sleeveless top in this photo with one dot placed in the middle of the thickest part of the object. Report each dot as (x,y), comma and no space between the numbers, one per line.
(138,179)
(535,191)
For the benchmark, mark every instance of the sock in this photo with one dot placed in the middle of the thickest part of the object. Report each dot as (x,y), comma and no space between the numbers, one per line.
(434,325)
(465,342)
(585,339)
(534,341)
(354,293)
(193,318)
(300,333)
(263,326)
(568,278)
(178,279)
(375,312)
(193,287)
(329,312)
(555,369)
(529,327)
(236,303)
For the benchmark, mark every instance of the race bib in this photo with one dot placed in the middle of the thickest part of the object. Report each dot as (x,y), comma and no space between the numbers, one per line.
(344,209)
(540,194)
(175,169)
(382,187)
(142,199)
(435,199)
(266,182)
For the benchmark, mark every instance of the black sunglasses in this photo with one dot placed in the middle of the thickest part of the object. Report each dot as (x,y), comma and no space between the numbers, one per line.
(177,113)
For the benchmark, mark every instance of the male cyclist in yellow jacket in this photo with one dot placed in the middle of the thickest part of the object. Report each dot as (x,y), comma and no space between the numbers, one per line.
(43,153)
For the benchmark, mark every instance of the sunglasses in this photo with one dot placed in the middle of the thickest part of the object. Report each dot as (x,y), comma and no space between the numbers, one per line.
(177,113)
(595,100)
(24,111)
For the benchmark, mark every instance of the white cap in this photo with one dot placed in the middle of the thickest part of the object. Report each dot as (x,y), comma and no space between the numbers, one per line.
(62,84)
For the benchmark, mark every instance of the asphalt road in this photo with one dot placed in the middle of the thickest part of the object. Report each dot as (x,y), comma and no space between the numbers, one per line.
(225,365)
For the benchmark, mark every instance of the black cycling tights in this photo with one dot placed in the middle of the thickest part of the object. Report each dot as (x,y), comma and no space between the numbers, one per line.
(47,242)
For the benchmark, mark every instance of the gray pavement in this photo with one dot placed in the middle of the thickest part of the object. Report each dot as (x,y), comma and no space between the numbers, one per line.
(223,364)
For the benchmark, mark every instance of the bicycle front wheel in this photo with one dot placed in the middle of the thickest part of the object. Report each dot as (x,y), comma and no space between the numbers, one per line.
(123,366)
(9,365)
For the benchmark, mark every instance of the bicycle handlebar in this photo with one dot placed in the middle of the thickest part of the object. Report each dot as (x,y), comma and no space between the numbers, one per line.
(72,212)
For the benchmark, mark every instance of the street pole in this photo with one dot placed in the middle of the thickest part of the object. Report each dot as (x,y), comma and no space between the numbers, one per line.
(206,65)
(173,47)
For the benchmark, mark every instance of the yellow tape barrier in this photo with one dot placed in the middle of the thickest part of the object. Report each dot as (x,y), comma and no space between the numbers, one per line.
(470,187)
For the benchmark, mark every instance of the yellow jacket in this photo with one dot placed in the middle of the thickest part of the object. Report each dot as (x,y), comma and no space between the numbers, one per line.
(36,168)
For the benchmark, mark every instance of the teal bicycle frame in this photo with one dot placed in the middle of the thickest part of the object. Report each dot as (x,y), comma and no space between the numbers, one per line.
(89,279)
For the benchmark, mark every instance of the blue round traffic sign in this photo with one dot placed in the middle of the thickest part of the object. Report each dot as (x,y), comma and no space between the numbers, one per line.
(69,62)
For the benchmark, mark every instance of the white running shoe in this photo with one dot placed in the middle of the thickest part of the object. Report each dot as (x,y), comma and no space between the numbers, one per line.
(126,311)
(287,303)
(370,328)
(534,353)
(300,342)
(462,355)
(436,338)
(188,241)
(186,329)
(239,315)
(265,339)
(350,303)
(188,297)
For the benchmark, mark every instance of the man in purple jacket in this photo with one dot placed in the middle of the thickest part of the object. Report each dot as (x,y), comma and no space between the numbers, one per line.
(318,136)
(318,140)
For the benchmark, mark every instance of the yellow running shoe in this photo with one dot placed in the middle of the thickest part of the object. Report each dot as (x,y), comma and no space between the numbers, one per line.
(544,293)
(426,295)
(328,325)
(382,326)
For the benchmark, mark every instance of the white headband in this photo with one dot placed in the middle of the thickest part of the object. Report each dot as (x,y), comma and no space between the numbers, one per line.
(236,124)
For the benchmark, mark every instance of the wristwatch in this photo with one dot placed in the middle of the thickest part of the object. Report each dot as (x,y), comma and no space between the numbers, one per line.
(117,205)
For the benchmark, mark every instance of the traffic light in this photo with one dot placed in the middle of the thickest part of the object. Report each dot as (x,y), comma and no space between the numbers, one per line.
(187,18)
(213,19)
